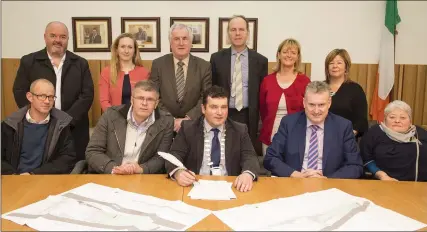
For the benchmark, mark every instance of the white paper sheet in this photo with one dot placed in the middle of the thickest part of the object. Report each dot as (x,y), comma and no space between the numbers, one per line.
(212,190)
(324,210)
(95,207)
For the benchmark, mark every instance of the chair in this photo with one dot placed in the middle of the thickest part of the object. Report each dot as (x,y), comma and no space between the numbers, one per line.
(80,168)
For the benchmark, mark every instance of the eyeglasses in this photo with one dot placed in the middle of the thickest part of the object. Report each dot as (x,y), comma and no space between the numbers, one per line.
(43,97)
(149,100)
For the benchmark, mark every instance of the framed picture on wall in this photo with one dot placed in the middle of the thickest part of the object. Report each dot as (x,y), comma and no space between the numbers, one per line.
(224,40)
(91,34)
(200,29)
(146,32)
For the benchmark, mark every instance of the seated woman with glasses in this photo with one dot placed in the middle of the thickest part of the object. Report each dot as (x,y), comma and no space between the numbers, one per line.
(396,149)
(118,79)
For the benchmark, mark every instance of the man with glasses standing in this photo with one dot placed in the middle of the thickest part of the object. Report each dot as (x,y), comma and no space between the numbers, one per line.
(70,76)
(127,137)
(37,139)
(182,78)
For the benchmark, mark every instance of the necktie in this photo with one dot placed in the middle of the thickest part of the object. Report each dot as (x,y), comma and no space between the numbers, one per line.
(313,151)
(215,148)
(237,85)
(180,82)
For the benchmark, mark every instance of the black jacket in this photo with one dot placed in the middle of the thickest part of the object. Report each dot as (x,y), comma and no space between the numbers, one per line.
(59,156)
(76,89)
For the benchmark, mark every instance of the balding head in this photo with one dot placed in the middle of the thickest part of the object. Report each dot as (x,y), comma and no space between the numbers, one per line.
(56,38)
(41,97)
(40,81)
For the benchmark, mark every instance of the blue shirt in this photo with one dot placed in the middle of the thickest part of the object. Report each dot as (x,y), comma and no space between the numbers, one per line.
(244,55)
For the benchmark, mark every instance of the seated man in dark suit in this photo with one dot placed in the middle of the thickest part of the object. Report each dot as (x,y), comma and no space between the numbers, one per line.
(214,145)
(127,137)
(314,143)
(37,138)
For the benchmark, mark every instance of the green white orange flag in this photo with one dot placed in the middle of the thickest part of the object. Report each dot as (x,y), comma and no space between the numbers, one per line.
(385,75)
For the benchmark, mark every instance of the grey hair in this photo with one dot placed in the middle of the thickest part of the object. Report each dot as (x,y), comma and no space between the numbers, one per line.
(317,87)
(180,26)
(397,104)
(147,85)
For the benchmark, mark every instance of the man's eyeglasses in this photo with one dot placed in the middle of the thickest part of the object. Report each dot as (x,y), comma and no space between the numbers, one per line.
(149,100)
(43,97)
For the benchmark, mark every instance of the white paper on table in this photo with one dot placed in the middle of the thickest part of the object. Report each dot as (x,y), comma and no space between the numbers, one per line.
(212,190)
(97,207)
(330,209)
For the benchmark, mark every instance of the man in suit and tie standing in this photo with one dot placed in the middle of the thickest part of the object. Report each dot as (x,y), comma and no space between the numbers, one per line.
(214,145)
(181,77)
(70,75)
(240,70)
(315,143)
(95,38)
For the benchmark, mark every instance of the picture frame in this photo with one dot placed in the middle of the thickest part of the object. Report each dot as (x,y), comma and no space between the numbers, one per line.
(200,28)
(91,34)
(224,40)
(146,31)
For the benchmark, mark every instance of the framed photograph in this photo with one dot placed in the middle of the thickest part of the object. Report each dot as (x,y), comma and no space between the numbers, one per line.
(200,29)
(224,40)
(146,32)
(91,34)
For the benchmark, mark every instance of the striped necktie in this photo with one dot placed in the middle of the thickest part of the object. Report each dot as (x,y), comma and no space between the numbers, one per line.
(237,85)
(180,81)
(313,151)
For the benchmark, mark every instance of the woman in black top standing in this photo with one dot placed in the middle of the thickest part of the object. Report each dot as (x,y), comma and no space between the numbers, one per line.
(348,98)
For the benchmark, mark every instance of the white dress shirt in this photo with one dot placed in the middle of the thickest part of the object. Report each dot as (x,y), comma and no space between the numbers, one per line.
(58,73)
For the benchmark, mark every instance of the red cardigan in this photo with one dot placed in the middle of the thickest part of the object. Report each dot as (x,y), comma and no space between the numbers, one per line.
(111,95)
(269,97)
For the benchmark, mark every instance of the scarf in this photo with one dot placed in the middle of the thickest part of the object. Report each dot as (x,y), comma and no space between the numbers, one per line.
(406,137)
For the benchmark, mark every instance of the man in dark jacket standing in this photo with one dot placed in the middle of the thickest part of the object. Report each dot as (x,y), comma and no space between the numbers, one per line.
(69,74)
(37,139)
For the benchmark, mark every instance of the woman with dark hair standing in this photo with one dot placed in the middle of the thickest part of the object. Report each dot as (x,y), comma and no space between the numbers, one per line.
(348,98)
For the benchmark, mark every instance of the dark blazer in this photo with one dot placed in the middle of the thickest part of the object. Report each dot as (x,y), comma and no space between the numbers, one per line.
(95,40)
(107,144)
(258,68)
(76,90)
(197,81)
(59,155)
(239,152)
(341,155)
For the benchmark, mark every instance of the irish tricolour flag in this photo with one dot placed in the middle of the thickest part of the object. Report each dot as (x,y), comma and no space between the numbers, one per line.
(385,76)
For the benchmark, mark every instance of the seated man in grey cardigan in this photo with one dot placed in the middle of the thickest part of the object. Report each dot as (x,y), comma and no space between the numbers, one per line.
(127,137)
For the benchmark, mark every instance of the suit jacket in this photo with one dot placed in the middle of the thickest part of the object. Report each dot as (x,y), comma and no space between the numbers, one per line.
(107,144)
(239,152)
(76,90)
(95,40)
(197,81)
(341,155)
(258,68)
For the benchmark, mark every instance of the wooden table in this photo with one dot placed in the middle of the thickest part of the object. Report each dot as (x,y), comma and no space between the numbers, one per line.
(407,198)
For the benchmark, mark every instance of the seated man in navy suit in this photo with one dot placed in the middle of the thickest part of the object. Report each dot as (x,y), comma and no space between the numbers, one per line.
(314,143)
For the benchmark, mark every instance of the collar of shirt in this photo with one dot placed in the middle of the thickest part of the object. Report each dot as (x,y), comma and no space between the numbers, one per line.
(51,59)
(31,120)
(185,61)
(144,125)
(244,52)
(208,127)
(321,125)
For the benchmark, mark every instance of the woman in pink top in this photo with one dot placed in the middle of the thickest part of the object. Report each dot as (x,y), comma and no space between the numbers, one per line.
(118,79)
(281,92)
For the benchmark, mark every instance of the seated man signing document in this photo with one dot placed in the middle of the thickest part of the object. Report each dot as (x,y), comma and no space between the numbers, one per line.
(214,145)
